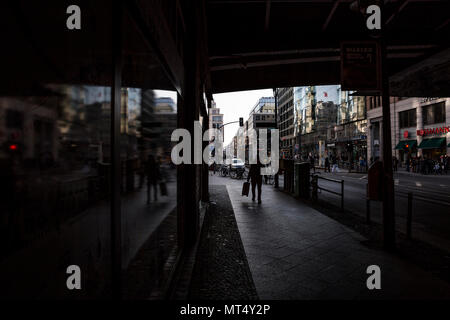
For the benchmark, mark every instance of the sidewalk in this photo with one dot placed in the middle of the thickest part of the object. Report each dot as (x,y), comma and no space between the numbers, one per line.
(295,252)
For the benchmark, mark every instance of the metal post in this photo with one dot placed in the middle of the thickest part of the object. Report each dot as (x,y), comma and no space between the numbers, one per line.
(409,216)
(276,182)
(388,180)
(342,195)
(116,240)
(367,205)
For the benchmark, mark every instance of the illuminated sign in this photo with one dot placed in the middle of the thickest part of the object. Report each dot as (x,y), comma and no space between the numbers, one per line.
(406,134)
(433,131)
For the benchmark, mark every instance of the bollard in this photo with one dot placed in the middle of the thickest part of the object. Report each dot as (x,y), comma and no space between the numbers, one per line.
(367,205)
(409,216)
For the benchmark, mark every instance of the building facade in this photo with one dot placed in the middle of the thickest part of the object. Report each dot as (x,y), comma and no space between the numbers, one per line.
(420,127)
(215,120)
(315,111)
(262,116)
(285,121)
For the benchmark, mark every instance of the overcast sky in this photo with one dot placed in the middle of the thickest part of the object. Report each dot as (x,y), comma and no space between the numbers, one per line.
(237,104)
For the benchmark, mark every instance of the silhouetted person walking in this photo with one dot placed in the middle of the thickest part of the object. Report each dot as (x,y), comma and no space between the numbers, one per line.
(255,176)
(153,175)
(327,164)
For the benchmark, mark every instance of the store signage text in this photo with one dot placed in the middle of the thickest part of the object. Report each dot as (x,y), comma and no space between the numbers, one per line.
(424,100)
(433,131)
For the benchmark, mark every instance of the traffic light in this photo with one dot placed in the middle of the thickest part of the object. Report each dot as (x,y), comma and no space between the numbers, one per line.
(12,147)
(241,122)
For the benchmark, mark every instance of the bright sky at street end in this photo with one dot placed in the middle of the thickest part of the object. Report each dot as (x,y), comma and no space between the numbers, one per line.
(237,104)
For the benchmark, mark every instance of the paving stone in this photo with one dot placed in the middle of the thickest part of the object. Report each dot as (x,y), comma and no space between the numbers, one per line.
(221,269)
(295,252)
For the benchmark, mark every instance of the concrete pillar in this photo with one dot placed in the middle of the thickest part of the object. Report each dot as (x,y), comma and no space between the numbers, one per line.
(381,139)
(205,166)
(189,175)
(419,126)
(369,140)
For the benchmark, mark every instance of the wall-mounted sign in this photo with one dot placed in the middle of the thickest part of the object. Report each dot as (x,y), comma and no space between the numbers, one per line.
(433,131)
(405,134)
(360,66)
(424,100)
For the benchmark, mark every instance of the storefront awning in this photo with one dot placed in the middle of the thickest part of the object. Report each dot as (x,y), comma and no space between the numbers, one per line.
(402,144)
(432,143)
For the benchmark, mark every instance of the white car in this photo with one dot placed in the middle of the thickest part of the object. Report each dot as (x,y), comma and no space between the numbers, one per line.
(237,164)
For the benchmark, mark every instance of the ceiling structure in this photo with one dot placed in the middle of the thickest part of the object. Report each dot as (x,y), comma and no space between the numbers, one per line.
(255,44)
(246,44)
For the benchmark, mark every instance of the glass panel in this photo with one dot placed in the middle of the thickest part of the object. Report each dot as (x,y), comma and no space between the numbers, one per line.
(55,152)
(148,176)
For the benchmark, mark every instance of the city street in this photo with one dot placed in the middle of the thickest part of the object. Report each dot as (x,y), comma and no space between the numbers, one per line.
(430,209)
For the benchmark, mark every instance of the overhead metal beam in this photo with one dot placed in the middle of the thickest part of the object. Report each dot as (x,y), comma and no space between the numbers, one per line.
(330,15)
(402,6)
(274,63)
(267,21)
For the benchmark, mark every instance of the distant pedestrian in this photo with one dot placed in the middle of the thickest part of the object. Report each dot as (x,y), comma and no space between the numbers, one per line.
(362,164)
(312,162)
(395,163)
(446,163)
(255,176)
(334,162)
(414,164)
(153,176)
(327,164)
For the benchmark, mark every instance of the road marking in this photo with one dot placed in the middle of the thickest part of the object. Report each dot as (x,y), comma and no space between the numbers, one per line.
(363,177)
(443,185)
(418,184)
(396,181)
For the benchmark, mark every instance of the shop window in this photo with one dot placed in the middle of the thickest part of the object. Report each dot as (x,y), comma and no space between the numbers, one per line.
(434,113)
(407,118)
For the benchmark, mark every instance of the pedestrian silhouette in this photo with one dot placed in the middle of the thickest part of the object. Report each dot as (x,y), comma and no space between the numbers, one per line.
(254,175)
(153,175)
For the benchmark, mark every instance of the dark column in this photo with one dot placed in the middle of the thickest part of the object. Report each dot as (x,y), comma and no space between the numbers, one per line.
(205,172)
(276,182)
(388,190)
(189,174)
(116,253)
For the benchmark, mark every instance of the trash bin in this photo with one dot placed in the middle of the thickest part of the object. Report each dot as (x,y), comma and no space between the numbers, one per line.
(302,181)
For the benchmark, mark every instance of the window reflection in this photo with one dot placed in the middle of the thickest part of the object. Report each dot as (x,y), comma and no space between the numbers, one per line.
(54,187)
(149,194)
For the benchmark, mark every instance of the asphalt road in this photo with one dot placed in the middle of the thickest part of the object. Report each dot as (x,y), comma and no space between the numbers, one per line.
(430,209)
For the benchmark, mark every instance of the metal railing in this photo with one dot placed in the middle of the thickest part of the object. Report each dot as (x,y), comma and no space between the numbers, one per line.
(315,188)
(408,213)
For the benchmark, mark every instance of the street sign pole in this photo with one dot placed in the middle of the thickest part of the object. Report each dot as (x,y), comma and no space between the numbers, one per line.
(388,179)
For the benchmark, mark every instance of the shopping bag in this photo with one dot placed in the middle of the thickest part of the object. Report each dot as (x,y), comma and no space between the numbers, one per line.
(245,189)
